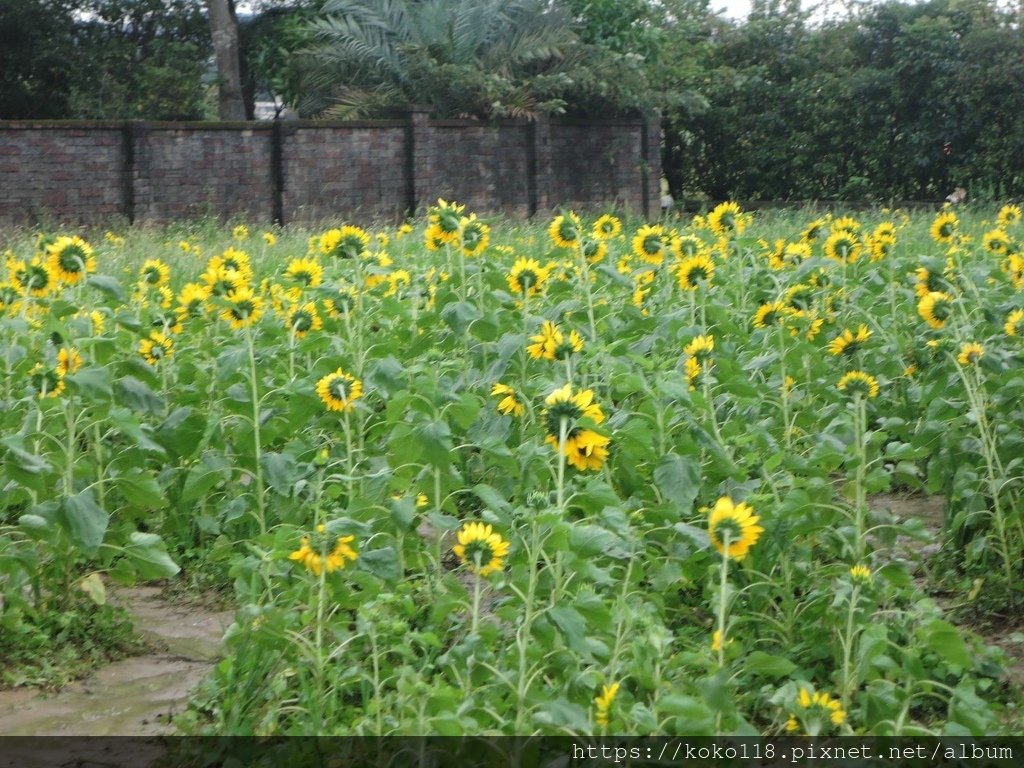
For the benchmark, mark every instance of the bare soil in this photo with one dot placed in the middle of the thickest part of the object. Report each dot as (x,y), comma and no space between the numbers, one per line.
(136,696)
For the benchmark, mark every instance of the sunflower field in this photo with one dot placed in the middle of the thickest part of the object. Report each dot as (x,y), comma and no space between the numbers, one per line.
(594,476)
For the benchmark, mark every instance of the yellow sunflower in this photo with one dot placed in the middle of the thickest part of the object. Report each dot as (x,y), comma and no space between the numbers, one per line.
(192,300)
(970,353)
(527,276)
(817,712)
(154,273)
(686,246)
(692,369)
(695,271)
(245,308)
(474,235)
(858,384)
(339,390)
(700,348)
(1008,216)
(843,246)
(650,243)
(733,528)
(566,230)
(444,219)
(156,347)
(606,227)
(68,360)
(771,313)
(996,241)
(593,250)
(47,382)
(71,259)
(480,548)
(303,318)
(347,242)
(32,279)
(603,704)
(510,403)
(727,220)
(1015,323)
(848,342)
(935,308)
(307,272)
(318,560)
(548,342)
(584,448)
(943,229)
(233,260)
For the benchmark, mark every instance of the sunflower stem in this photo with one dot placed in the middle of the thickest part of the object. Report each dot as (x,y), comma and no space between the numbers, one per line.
(476,600)
(786,432)
(563,428)
(993,468)
(848,639)
(524,633)
(256,437)
(723,586)
(346,423)
(860,499)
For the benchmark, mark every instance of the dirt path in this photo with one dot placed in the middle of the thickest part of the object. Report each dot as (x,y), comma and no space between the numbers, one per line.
(131,697)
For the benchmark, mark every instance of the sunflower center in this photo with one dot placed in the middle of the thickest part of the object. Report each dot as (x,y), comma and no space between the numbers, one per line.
(72,259)
(558,411)
(729,530)
(338,389)
(479,553)
(302,321)
(243,309)
(37,278)
(526,279)
(940,310)
(652,244)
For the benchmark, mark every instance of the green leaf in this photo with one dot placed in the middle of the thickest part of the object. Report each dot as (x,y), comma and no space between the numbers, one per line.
(182,432)
(26,468)
(108,286)
(434,442)
(147,553)
(85,522)
(138,396)
(678,480)
(280,471)
(572,626)
(382,563)
(945,640)
(761,663)
(140,490)
(491,498)
(94,383)
(459,315)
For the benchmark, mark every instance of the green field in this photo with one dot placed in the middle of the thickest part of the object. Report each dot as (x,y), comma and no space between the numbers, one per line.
(581,476)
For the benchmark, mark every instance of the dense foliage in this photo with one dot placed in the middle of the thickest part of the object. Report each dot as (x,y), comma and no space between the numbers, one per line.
(902,101)
(97,59)
(593,476)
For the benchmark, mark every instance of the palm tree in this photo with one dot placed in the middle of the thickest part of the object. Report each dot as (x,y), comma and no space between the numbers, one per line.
(463,57)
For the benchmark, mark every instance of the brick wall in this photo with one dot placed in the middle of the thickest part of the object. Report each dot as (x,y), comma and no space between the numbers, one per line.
(303,171)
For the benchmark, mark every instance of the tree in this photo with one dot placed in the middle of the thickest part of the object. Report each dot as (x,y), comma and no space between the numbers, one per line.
(36,58)
(141,59)
(224,31)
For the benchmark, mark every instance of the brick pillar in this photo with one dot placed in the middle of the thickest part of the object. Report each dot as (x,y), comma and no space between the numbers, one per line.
(137,182)
(539,167)
(419,155)
(650,165)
